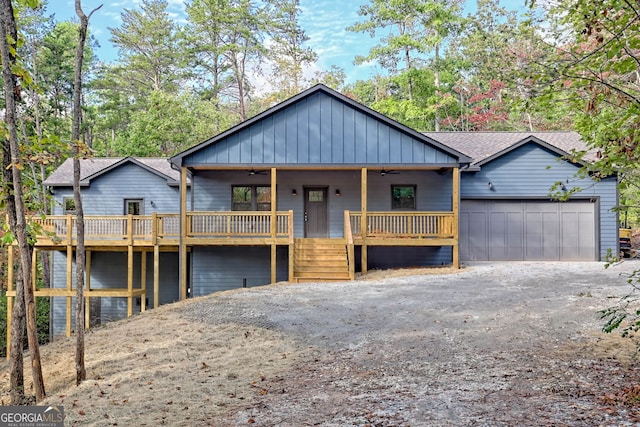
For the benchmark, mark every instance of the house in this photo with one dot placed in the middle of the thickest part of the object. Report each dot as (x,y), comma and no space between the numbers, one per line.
(317,188)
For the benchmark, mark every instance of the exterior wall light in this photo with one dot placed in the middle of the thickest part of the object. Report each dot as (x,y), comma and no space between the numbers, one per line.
(294,192)
(338,193)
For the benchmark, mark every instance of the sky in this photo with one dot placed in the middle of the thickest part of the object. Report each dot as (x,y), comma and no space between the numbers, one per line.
(324,21)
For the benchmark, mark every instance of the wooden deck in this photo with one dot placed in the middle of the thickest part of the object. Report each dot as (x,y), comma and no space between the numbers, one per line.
(157,233)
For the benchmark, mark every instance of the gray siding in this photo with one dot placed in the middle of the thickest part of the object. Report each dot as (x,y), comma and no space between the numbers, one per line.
(384,257)
(528,173)
(319,129)
(212,191)
(107,192)
(222,268)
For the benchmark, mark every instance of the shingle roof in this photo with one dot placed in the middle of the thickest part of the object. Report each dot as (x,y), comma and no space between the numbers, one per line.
(94,167)
(481,147)
(484,146)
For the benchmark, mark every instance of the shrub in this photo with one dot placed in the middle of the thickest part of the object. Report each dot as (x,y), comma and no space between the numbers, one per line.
(42,322)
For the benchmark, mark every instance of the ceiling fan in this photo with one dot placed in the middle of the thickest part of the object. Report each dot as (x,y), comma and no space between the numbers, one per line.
(255,172)
(384,172)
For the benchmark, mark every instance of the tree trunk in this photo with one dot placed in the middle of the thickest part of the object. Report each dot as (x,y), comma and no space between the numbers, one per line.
(11,89)
(16,361)
(81,373)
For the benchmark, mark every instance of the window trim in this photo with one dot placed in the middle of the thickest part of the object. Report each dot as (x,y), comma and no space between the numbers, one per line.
(128,200)
(66,211)
(415,197)
(254,197)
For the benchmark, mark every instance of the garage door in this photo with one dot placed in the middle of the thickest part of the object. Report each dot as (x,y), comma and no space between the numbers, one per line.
(499,230)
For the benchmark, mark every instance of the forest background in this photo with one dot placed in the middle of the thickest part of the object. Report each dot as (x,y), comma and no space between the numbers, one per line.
(178,80)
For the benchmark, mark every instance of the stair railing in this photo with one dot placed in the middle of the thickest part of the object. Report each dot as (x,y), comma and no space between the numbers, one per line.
(348,235)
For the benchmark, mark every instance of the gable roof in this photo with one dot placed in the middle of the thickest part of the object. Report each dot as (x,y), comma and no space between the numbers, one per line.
(94,167)
(297,130)
(484,147)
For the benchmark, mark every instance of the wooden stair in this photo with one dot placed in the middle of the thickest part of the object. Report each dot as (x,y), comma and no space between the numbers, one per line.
(320,260)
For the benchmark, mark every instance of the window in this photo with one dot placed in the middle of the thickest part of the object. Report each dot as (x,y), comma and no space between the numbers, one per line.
(250,198)
(69,205)
(403,197)
(133,207)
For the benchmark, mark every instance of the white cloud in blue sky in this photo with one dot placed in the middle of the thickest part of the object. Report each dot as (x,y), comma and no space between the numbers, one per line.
(324,21)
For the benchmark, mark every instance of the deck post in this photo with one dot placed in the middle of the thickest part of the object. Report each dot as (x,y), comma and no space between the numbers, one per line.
(69,288)
(363,220)
(183,233)
(274,224)
(69,273)
(456,217)
(291,247)
(130,265)
(143,280)
(87,299)
(9,299)
(156,259)
(34,269)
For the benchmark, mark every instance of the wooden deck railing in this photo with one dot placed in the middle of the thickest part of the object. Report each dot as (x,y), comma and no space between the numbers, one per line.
(404,224)
(62,228)
(348,234)
(236,224)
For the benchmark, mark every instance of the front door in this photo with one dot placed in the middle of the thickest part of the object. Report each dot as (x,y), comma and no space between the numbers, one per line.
(315,212)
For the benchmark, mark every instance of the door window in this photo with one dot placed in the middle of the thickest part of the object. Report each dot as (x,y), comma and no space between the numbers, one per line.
(316,195)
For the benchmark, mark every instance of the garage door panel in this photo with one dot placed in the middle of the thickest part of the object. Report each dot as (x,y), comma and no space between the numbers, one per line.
(513,238)
(473,226)
(570,236)
(497,235)
(528,230)
(550,235)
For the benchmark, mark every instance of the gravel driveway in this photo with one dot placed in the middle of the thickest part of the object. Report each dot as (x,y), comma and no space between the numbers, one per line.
(496,344)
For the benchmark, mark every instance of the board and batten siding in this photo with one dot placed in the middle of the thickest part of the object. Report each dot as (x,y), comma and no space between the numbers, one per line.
(529,171)
(318,129)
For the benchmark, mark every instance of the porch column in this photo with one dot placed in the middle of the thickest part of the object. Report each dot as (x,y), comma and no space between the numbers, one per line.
(183,233)
(274,224)
(455,207)
(363,219)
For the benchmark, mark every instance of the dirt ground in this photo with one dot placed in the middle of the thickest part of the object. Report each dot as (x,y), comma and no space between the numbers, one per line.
(491,345)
